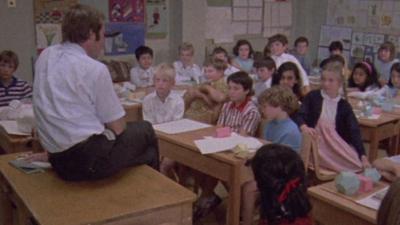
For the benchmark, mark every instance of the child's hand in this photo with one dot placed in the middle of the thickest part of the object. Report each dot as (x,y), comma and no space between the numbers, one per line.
(308,130)
(365,163)
(36,157)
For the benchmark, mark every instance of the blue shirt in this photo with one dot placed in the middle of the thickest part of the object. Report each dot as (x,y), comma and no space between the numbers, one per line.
(283,132)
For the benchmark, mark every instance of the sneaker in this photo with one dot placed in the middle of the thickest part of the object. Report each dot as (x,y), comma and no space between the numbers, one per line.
(205,206)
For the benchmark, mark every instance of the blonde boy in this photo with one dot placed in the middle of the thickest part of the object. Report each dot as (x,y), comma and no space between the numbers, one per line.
(278,45)
(163,105)
(186,69)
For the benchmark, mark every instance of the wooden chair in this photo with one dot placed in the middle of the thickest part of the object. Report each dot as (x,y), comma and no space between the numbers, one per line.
(310,155)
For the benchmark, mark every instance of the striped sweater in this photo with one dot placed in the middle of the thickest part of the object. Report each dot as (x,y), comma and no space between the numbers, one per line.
(17,90)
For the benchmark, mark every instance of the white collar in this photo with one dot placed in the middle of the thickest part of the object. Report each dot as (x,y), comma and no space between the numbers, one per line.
(326,97)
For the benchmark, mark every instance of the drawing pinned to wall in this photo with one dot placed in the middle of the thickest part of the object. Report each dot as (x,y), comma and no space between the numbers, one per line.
(250,13)
(332,33)
(218,17)
(277,17)
(126,11)
(48,17)
(123,38)
(47,34)
(357,51)
(156,19)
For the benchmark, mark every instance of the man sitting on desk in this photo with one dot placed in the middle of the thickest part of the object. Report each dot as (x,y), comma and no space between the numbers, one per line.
(80,120)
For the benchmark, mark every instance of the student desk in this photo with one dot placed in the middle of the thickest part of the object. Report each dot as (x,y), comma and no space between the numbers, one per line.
(14,143)
(138,195)
(224,165)
(329,208)
(376,130)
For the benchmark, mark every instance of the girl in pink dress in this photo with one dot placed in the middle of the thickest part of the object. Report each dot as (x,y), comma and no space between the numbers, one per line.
(328,117)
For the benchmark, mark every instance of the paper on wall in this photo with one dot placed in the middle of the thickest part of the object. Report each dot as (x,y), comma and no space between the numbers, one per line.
(240,14)
(255,14)
(216,19)
(254,28)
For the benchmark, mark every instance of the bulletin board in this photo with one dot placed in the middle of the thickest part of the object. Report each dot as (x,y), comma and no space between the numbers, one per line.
(124,18)
(225,19)
(362,26)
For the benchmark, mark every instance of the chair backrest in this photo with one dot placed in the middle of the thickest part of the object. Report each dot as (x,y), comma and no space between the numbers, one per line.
(310,155)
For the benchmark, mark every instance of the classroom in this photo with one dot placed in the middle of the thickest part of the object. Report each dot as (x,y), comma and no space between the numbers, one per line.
(204,112)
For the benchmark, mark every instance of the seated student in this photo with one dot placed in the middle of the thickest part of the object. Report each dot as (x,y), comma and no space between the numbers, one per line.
(240,113)
(389,210)
(288,76)
(340,59)
(391,90)
(222,54)
(278,45)
(163,105)
(363,81)
(204,102)
(265,69)
(325,114)
(336,49)
(281,181)
(276,103)
(243,117)
(388,167)
(11,88)
(142,74)
(300,52)
(386,58)
(186,69)
(244,56)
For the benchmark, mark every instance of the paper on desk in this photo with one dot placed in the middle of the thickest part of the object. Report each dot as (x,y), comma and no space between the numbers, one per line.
(11,127)
(128,102)
(374,200)
(212,145)
(180,126)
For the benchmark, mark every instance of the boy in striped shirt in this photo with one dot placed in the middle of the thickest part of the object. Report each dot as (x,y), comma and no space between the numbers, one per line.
(11,88)
(240,113)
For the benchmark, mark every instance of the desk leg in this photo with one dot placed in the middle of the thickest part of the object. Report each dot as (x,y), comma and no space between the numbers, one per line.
(373,145)
(234,197)
(6,208)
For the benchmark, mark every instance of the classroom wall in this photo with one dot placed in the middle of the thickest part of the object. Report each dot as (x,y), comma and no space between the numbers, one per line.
(186,23)
(17,34)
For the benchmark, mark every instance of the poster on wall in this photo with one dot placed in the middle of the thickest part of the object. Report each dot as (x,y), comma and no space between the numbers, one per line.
(48,15)
(123,38)
(156,19)
(126,11)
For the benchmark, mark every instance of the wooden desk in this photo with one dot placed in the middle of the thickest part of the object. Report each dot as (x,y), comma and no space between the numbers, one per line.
(331,209)
(14,143)
(223,165)
(137,195)
(376,130)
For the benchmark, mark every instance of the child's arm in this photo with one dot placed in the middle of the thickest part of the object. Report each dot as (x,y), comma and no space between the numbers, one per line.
(147,113)
(214,94)
(389,169)
(179,109)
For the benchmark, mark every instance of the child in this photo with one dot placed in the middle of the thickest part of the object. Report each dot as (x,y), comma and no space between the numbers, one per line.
(389,210)
(386,58)
(186,69)
(242,116)
(142,75)
(391,90)
(11,88)
(336,48)
(163,105)
(240,113)
(300,52)
(265,68)
(278,45)
(363,81)
(325,114)
(277,103)
(288,75)
(280,176)
(222,54)
(244,53)
(204,102)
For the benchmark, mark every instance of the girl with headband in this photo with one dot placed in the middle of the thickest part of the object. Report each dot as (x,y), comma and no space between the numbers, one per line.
(363,81)
(280,176)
